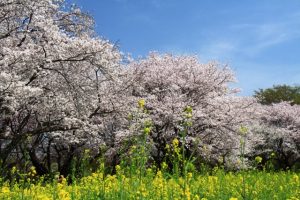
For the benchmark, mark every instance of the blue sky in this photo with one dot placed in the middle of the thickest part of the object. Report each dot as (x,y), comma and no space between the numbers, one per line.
(259,39)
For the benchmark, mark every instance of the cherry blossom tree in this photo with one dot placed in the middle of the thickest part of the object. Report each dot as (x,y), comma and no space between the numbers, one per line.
(276,135)
(52,65)
(64,90)
(169,84)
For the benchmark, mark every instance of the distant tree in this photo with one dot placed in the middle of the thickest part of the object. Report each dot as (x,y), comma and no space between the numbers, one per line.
(279,93)
(276,136)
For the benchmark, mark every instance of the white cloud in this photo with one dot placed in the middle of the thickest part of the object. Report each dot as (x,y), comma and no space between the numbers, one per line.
(219,50)
(264,36)
(251,39)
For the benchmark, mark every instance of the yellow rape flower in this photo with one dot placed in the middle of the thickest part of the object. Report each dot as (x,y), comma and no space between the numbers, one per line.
(190,175)
(64,195)
(147,130)
(5,190)
(243,130)
(164,165)
(175,142)
(258,159)
(141,103)
(13,170)
(32,171)
(296,178)
(42,197)
(188,109)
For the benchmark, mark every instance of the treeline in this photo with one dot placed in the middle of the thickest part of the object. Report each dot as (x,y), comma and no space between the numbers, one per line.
(65,91)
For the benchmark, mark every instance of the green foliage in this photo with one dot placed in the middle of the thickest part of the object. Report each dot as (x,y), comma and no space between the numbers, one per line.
(136,151)
(279,93)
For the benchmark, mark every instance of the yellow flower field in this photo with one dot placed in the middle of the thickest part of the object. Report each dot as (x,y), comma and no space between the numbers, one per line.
(161,185)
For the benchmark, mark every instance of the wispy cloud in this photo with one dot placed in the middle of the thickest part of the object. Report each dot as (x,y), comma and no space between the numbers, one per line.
(222,49)
(267,35)
(251,39)
(244,42)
